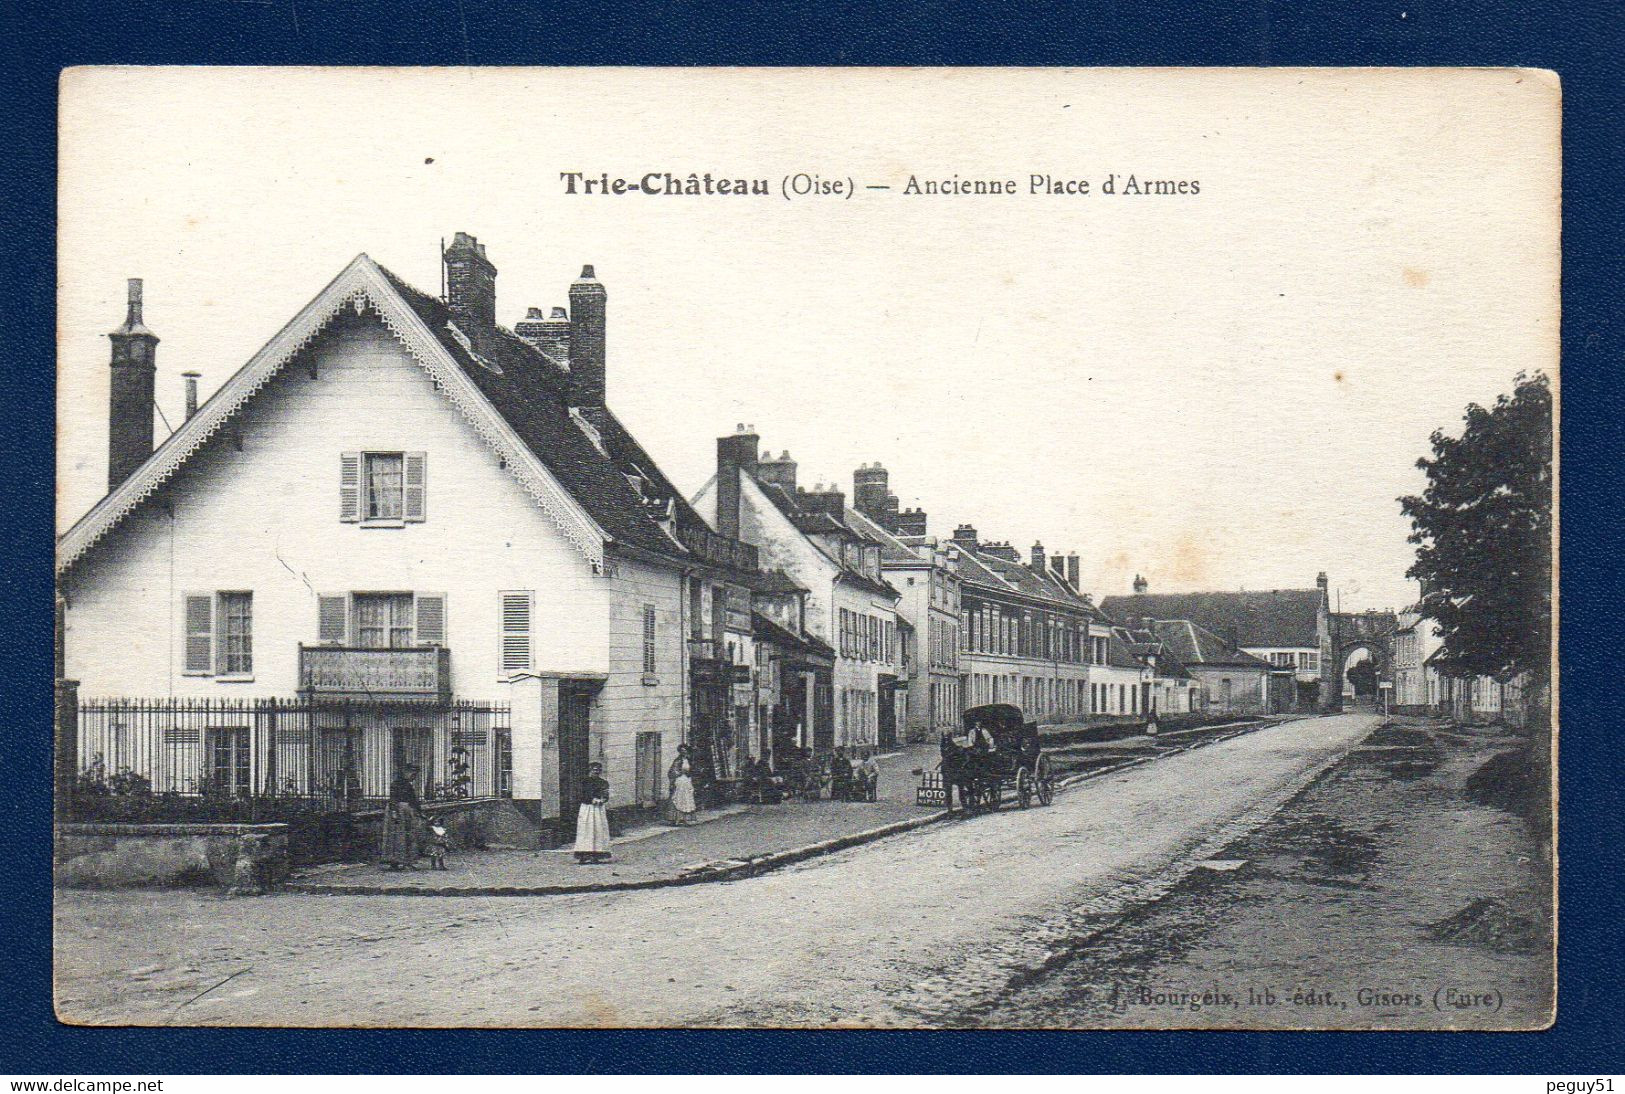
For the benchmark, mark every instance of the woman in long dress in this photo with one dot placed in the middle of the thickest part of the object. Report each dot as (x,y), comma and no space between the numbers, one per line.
(681,777)
(592,819)
(401,822)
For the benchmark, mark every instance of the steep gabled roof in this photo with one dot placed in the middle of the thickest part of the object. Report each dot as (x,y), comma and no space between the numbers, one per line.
(1194,646)
(1278,618)
(579,468)
(813,522)
(603,467)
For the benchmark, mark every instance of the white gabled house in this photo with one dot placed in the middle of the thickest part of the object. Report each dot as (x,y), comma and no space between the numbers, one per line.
(399,532)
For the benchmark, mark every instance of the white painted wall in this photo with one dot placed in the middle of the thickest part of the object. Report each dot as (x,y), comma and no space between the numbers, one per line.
(265,519)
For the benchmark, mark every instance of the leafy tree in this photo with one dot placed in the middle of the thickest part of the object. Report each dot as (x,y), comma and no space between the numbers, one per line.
(1483,529)
(1363,678)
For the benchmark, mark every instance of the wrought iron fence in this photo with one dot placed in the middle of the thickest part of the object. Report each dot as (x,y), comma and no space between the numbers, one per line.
(327,754)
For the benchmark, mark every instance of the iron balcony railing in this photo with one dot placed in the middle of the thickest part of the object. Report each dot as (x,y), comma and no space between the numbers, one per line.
(419,672)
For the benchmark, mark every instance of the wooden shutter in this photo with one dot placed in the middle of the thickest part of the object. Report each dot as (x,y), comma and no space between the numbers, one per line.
(516,635)
(431,621)
(350,487)
(331,615)
(416,500)
(199,633)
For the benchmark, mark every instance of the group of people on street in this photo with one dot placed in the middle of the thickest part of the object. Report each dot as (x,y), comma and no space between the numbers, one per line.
(407,836)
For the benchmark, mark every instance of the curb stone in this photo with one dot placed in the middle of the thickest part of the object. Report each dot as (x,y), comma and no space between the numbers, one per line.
(735,870)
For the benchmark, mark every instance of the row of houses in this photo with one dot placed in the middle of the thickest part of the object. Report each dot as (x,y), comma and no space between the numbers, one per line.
(403,534)
(1424,683)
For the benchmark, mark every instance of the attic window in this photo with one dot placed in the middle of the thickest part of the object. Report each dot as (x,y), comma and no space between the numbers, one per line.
(468,347)
(590,430)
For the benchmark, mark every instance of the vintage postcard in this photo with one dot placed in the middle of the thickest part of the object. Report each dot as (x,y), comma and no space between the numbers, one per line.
(785,548)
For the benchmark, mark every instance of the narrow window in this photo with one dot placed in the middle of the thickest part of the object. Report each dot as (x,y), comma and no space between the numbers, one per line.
(236,634)
(384,485)
(516,632)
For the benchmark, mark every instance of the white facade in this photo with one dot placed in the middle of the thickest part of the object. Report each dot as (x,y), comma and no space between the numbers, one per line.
(835,604)
(256,510)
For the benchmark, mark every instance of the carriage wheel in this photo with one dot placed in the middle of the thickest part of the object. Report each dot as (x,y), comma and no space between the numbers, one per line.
(1046,781)
(1024,787)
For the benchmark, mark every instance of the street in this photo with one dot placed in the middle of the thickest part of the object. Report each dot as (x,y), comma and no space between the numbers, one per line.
(915,930)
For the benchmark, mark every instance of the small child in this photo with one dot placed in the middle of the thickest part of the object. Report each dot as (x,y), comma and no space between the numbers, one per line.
(436,846)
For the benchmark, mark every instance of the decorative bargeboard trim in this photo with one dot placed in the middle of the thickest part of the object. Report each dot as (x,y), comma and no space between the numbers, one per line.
(361,285)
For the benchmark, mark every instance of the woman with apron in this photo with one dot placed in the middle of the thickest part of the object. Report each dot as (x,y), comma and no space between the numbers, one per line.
(592,819)
(681,777)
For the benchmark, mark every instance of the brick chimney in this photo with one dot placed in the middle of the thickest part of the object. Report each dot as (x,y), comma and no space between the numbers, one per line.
(471,288)
(822,499)
(1322,583)
(548,333)
(587,299)
(777,472)
(129,418)
(191,379)
(911,522)
(1141,585)
(1038,565)
(1072,575)
(965,536)
(736,457)
(1002,549)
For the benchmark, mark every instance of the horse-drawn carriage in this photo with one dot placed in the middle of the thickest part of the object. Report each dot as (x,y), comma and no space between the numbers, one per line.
(1000,754)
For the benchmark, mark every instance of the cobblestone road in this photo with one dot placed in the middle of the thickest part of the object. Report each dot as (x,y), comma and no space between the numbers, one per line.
(909,931)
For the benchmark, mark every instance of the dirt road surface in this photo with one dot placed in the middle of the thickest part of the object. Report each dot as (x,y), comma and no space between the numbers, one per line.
(908,931)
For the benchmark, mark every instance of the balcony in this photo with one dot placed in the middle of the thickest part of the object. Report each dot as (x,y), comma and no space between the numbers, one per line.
(420,673)
(708,664)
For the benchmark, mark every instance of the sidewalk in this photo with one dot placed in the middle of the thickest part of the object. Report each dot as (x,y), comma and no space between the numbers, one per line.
(730,842)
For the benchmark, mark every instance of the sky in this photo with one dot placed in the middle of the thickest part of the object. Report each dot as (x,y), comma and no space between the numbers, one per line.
(1219,390)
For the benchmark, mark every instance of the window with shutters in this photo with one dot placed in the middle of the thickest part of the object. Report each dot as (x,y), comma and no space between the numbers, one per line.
(219,638)
(383,489)
(516,632)
(381,621)
(648,639)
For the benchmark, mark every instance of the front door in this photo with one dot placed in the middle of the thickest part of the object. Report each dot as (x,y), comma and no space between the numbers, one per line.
(888,713)
(574,745)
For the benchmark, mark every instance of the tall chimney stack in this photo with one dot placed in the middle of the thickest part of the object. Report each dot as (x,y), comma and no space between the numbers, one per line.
(870,489)
(587,297)
(965,536)
(1140,584)
(129,418)
(736,457)
(1072,574)
(191,379)
(471,288)
(1037,564)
